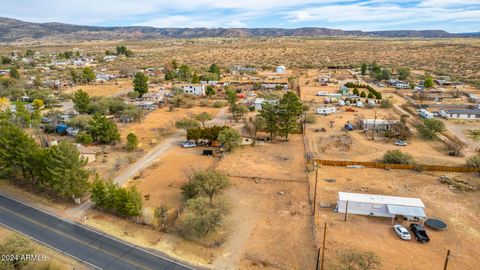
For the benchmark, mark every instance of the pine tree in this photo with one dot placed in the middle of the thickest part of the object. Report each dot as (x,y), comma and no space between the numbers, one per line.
(132,141)
(140,83)
(64,170)
(82,100)
(103,130)
(269,114)
(290,108)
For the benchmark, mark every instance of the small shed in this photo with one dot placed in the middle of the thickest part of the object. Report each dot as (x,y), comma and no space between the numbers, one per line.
(381,206)
(378,124)
(88,154)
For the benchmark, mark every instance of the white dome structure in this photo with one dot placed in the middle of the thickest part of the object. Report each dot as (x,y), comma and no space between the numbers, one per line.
(280,69)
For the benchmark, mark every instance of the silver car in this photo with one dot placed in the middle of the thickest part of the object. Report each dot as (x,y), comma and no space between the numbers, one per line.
(402,232)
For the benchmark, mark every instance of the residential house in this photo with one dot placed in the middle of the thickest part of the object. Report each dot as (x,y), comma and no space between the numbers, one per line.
(197,90)
(325,110)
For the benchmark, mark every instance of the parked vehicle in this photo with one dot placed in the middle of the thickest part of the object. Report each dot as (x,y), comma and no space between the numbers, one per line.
(402,232)
(188,144)
(419,233)
(401,143)
(46,120)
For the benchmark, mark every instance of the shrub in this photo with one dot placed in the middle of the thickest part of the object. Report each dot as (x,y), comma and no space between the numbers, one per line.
(310,118)
(218,104)
(386,104)
(84,138)
(397,157)
(474,161)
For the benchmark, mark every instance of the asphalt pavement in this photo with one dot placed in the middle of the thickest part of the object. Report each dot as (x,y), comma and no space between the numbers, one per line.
(96,249)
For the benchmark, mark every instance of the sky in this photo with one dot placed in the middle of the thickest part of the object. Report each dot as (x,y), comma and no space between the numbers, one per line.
(455,16)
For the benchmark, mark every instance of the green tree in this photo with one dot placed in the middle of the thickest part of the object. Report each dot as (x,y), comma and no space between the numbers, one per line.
(140,83)
(231,97)
(203,117)
(239,111)
(364,69)
(14,73)
(200,218)
(17,151)
(174,64)
(434,124)
(229,138)
(184,72)
(210,183)
(84,138)
(169,75)
(403,73)
(290,108)
(132,141)
(370,95)
(74,75)
(98,190)
(88,75)
(428,83)
(269,113)
(363,94)
(64,170)
(353,260)
(81,100)
(186,124)
(23,115)
(397,157)
(209,91)
(103,130)
(214,69)
(355,91)
(195,78)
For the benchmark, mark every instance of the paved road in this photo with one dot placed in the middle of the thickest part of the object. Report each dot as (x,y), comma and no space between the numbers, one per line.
(98,250)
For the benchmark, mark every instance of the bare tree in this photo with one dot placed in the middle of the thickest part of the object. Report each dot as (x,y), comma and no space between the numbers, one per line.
(456,146)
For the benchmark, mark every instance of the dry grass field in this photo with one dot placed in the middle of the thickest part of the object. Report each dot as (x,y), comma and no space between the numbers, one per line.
(456,57)
(460,210)
(103,89)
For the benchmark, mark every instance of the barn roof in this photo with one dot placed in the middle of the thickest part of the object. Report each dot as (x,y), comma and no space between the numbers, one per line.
(380,199)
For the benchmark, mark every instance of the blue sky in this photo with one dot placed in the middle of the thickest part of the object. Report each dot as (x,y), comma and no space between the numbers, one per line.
(451,15)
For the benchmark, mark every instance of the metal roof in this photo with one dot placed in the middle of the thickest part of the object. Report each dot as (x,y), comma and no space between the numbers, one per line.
(406,211)
(473,111)
(380,199)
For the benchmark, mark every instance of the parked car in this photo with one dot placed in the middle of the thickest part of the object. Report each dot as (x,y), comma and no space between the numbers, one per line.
(419,233)
(46,120)
(73,131)
(188,144)
(402,232)
(401,143)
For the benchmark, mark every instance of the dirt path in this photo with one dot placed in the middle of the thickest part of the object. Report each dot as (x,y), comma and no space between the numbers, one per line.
(141,164)
(234,247)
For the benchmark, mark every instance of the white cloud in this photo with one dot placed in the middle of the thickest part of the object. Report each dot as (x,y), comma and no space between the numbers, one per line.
(366,15)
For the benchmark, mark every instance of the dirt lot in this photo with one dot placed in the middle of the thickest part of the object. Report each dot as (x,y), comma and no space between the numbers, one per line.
(273,194)
(104,89)
(460,210)
(159,123)
(55,259)
(336,144)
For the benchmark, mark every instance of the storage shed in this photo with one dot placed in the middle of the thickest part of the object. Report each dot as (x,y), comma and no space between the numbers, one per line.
(381,206)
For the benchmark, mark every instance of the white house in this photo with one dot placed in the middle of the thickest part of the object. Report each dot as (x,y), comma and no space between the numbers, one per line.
(147,105)
(109,58)
(381,206)
(197,90)
(259,102)
(461,114)
(325,110)
(322,93)
(379,124)
(402,85)
(280,69)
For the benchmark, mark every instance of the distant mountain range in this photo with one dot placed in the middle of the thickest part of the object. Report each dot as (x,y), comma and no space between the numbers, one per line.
(13,30)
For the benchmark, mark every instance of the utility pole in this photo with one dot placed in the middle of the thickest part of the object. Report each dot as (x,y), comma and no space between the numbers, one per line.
(446,260)
(323,246)
(315,190)
(374,124)
(318,259)
(346,212)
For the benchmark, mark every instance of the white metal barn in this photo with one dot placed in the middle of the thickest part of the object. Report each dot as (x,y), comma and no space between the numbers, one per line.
(381,206)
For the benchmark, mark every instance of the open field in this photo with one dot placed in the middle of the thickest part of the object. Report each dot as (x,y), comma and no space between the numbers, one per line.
(160,123)
(460,210)
(456,57)
(103,89)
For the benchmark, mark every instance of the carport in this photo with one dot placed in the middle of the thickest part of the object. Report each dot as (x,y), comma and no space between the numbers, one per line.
(409,212)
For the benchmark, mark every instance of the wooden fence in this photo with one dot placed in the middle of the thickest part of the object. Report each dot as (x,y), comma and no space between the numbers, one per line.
(378,165)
